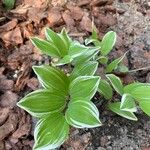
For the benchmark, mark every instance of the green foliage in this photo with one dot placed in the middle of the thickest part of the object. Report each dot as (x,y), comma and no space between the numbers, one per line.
(116,83)
(105,89)
(9,4)
(84,69)
(65,99)
(43,102)
(58,105)
(114,64)
(128,103)
(115,107)
(108,42)
(50,132)
(84,86)
(82,113)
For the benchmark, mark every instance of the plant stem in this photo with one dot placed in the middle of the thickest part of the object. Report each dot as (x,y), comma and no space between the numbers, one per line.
(144,68)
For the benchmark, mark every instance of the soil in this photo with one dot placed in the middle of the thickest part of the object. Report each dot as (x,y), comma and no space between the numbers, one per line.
(129,18)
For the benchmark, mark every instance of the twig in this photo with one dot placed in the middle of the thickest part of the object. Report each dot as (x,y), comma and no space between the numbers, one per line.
(144,68)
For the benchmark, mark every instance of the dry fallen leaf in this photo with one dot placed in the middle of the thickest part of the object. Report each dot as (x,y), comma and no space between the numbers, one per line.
(13,37)
(9,26)
(54,17)
(76,12)
(9,99)
(86,23)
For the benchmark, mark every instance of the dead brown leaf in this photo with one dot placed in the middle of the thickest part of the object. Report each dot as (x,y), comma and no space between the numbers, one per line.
(6,84)
(68,19)
(24,127)
(58,2)
(8,26)
(83,2)
(76,12)
(24,76)
(13,37)
(21,10)
(86,23)
(33,83)
(54,17)
(9,126)
(9,99)
(101,2)
(107,20)
(2,146)
(36,15)
(4,113)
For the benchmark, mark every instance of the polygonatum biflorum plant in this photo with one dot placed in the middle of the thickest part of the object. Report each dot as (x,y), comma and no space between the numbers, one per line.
(66,98)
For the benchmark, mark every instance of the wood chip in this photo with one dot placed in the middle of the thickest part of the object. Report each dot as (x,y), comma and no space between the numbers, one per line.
(13,37)
(8,26)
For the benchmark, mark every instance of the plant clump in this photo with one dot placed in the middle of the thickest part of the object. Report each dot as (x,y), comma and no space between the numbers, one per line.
(66,98)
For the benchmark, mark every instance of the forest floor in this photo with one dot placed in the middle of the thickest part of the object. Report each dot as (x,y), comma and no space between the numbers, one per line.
(129,18)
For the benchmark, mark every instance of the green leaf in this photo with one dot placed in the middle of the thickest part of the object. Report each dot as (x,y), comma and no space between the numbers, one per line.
(46,47)
(145,106)
(86,56)
(115,107)
(66,60)
(89,41)
(131,87)
(116,83)
(9,4)
(57,40)
(51,132)
(85,69)
(108,42)
(42,102)
(105,89)
(122,68)
(114,64)
(94,32)
(76,49)
(66,37)
(128,103)
(84,86)
(52,78)
(82,114)
(103,59)
(140,91)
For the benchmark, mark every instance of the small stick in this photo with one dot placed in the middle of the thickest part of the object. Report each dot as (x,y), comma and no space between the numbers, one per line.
(144,68)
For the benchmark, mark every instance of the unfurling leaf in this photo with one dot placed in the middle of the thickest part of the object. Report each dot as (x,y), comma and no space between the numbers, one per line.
(52,78)
(46,47)
(114,64)
(105,89)
(66,37)
(82,114)
(103,59)
(86,56)
(76,49)
(116,83)
(85,69)
(66,60)
(115,107)
(58,41)
(50,132)
(108,42)
(128,103)
(84,86)
(42,102)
